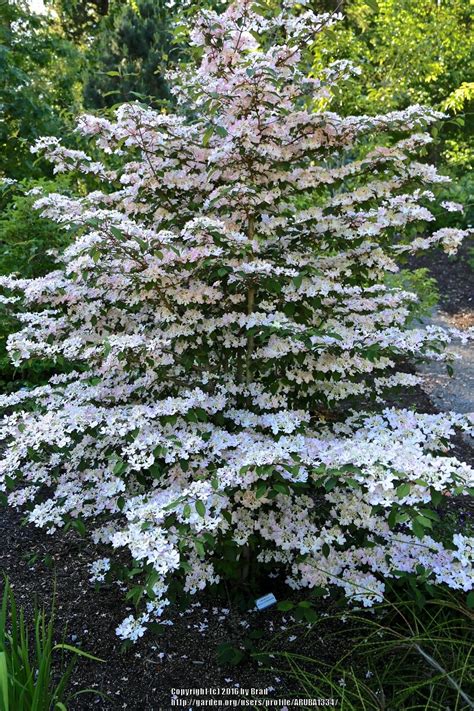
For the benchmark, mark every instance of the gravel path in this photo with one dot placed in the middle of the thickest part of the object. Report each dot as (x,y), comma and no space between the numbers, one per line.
(455,279)
(454,392)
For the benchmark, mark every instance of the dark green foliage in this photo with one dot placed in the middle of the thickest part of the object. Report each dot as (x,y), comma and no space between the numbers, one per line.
(39,73)
(129,53)
(26,240)
(79,18)
(130,49)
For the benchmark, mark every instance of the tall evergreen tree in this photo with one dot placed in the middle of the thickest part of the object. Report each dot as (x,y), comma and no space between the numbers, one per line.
(79,19)
(128,54)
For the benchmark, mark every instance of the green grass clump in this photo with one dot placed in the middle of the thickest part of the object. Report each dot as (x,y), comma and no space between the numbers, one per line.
(401,658)
(30,677)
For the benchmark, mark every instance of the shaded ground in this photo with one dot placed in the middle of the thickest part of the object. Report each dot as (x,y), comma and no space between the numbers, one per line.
(456,391)
(185,653)
(455,281)
(182,655)
(454,276)
(139,679)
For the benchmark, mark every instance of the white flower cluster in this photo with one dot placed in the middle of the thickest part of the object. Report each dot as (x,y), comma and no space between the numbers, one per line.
(99,570)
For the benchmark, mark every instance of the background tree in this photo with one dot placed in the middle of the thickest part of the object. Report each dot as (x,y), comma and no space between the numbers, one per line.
(411,51)
(129,53)
(28,245)
(79,18)
(39,86)
(133,47)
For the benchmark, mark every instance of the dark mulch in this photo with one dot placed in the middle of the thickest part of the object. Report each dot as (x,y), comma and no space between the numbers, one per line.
(182,655)
(455,278)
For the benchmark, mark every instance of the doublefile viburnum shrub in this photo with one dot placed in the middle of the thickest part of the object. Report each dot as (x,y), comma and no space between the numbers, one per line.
(226,335)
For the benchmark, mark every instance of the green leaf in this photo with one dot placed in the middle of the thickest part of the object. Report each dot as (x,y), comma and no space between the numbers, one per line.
(135,594)
(200,508)
(285,606)
(116,232)
(4,681)
(403,490)
(417,529)
(373,4)
(330,483)
(423,521)
(430,514)
(310,615)
(9,482)
(221,131)
(119,467)
(173,504)
(470,600)
(228,654)
(79,652)
(207,135)
(281,488)
(79,526)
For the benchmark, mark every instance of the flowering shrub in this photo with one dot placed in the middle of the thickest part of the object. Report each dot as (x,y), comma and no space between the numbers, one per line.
(222,310)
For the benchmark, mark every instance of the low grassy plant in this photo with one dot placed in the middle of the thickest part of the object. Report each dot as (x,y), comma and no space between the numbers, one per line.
(31,676)
(414,653)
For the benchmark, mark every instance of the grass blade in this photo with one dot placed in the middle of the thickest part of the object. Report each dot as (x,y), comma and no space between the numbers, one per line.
(4,695)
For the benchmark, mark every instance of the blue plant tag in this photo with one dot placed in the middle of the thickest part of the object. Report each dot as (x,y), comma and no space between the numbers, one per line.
(265,601)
